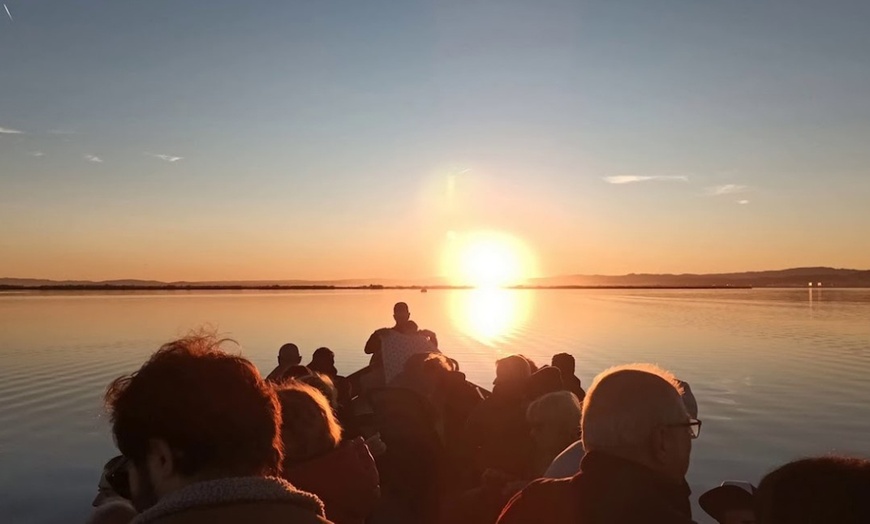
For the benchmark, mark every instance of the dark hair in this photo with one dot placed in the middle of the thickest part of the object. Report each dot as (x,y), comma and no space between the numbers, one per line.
(561,360)
(548,379)
(814,490)
(213,410)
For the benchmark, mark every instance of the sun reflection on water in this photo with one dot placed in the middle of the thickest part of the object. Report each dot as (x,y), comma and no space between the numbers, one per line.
(490,315)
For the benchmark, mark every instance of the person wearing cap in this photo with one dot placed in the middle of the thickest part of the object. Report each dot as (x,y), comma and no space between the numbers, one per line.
(638,439)
(730,503)
(288,357)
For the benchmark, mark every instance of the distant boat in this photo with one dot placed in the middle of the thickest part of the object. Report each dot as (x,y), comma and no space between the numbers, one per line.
(424,290)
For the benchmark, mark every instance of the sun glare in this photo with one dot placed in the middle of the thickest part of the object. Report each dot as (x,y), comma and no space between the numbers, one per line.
(487,260)
(490,315)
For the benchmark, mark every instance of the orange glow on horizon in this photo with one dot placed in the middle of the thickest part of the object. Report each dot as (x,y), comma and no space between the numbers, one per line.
(487,259)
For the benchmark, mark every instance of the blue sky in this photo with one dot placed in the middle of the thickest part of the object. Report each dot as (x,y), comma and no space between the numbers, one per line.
(317,138)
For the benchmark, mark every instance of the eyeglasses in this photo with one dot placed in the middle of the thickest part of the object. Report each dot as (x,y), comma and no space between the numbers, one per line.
(693,424)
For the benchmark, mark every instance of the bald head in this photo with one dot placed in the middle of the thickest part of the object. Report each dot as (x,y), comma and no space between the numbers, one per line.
(626,404)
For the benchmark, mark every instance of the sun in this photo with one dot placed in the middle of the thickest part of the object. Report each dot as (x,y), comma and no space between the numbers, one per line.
(487,259)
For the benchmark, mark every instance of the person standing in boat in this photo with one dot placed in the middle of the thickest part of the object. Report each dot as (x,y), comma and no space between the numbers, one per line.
(391,347)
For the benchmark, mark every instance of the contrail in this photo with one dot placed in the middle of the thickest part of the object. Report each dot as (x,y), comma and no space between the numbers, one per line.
(8,13)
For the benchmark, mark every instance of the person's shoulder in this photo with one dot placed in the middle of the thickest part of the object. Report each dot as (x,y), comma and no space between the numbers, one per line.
(549,499)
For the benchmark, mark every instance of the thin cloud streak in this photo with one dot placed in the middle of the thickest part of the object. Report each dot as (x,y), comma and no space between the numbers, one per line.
(727,189)
(630,179)
(743,202)
(169,158)
(94,158)
(7,131)
(36,153)
(8,13)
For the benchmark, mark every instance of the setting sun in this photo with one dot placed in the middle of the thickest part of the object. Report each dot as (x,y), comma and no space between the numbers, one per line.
(487,259)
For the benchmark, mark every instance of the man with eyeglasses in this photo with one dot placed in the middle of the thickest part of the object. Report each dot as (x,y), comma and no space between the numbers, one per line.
(638,439)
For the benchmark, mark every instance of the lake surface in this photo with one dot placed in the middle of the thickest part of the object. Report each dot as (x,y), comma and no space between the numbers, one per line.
(778,374)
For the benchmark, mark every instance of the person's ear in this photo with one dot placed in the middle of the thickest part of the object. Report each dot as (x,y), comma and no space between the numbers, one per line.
(161,462)
(660,444)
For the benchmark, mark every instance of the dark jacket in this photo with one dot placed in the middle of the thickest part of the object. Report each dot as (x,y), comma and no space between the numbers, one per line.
(238,500)
(608,490)
(498,436)
(346,480)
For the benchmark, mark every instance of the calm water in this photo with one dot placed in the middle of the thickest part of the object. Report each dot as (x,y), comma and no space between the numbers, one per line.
(778,374)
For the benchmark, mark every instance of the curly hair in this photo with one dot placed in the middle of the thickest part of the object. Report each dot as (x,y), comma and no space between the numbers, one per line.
(213,409)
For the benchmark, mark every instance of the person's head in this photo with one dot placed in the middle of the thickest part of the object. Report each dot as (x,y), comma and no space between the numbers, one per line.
(105,491)
(511,375)
(323,384)
(548,379)
(409,327)
(193,412)
(309,427)
(731,503)
(555,421)
(289,355)
(565,363)
(323,355)
(401,314)
(814,490)
(636,412)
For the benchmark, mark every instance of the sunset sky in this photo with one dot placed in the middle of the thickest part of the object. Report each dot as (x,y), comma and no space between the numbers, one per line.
(193,140)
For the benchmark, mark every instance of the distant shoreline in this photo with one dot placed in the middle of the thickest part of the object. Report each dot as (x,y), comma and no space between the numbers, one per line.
(110,287)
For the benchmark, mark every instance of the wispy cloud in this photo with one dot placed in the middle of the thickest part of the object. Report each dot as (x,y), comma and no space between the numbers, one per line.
(8,13)
(743,202)
(168,158)
(630,179)
(727,189)
(7,131)
(94,158)
(36,153)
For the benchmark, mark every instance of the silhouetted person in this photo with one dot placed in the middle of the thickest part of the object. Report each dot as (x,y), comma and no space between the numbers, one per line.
(566,365)
(105,491)
(201,431)
(112,505)
(546,380)
(638,440)
(816,490)
(288,356)
(401,315)
(323,361)
(497,432)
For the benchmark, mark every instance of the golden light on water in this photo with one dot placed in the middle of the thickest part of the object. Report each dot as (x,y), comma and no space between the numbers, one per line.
(490,315)
(487,259)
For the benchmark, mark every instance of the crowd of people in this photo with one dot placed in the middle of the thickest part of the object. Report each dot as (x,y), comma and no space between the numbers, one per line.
(204,438)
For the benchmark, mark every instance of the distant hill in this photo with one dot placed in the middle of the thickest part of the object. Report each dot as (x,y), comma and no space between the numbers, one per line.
(795,277)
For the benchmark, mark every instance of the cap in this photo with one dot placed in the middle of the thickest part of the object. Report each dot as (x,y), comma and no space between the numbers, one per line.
(731,495)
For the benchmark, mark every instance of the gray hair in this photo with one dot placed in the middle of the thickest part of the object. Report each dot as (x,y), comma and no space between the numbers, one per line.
(559,408)
(625,404)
